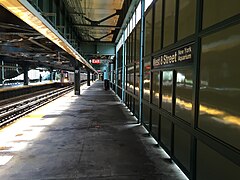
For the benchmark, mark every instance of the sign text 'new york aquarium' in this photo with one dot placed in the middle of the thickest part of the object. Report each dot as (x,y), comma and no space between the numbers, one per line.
(178,56)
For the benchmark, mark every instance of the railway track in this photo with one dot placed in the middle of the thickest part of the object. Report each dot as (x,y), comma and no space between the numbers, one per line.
(15,110)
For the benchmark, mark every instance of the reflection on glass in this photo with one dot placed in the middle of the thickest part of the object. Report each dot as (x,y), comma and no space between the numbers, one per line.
(133,46)
(120,77)
(127,78)
(137,80)
(120,57)
(182,152)
(136,108)
(148,33)
(214,12)
(186,21)
(209,161)
(184,91)
(220,85)
(146,79)
(169,21)
(157,25)
(155,123)
(167,90)
(155,87)
(126,51)
(130,77)
(146,115)
(132,104)
(138,42)
(130,48)
(166,132)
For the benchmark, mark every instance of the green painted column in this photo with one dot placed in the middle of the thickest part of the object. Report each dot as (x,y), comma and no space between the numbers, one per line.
(25,74)
(2,73)
(77,81)
(88,78)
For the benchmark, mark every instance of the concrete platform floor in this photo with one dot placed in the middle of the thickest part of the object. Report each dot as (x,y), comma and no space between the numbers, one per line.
(91,136)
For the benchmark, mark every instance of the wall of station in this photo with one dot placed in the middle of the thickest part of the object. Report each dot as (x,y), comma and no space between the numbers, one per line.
(191,86)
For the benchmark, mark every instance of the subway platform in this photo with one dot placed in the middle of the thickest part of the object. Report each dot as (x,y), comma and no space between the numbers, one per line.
(92,136)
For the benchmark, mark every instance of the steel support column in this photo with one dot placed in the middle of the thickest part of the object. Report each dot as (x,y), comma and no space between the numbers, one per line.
(92,77)
(123,69)
(112,73)
(77,81)
(2,73)
(116,72)
(51,74)
(25,74)
(141,61)
(88,78)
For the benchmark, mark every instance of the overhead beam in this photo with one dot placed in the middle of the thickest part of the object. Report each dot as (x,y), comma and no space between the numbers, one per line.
(98,26)
(102,20)
(106,35)
(20,33)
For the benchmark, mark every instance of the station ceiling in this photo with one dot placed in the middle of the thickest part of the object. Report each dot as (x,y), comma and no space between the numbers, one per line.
(93,21)
(97,20)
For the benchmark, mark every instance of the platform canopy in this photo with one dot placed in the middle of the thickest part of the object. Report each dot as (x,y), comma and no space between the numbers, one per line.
(57,33)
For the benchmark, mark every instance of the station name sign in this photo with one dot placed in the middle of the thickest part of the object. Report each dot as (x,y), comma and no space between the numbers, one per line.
(175,57)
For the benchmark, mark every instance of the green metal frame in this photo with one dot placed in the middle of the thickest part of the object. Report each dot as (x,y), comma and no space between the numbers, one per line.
(195,133)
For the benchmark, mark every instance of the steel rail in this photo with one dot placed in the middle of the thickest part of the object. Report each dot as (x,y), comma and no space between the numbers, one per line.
(18,109)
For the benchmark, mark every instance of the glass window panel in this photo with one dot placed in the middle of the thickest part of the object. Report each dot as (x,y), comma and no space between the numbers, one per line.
(126,99)
(114,76)
(125,34)
(131,25)
(155,87)
(212,165)
(131,78)
(169,22)
(146,79)
(138,12)
(136,112)
(155,123)
(182,147)
(137,80)
(146,115)
(166,132)
(120,77)
(157,25)
(187,16)
(132,104)
(184,91)
(167,90)
(148,33)
(138,42)
(220,85)
(215,11)
(127,78)
(147,3)
(127,50)
(133,46)
(134,19)
(119,61)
